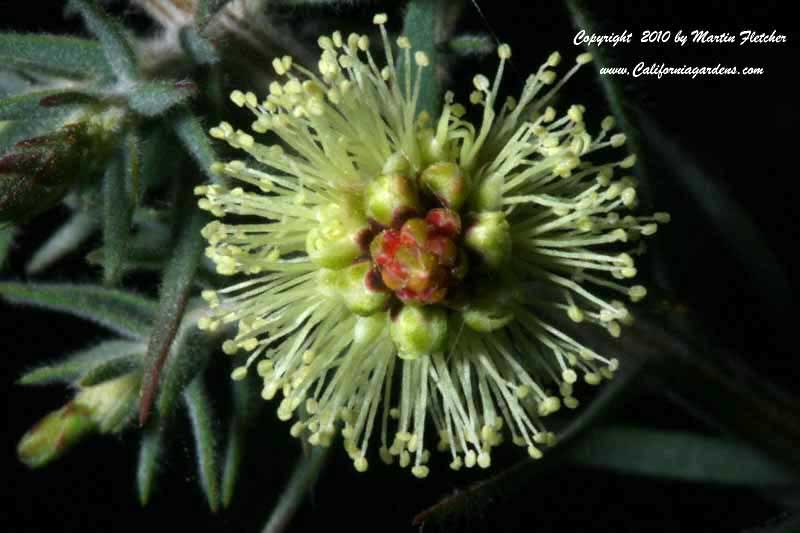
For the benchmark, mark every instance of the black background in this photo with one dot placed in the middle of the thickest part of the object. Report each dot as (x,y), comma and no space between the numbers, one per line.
(742,130)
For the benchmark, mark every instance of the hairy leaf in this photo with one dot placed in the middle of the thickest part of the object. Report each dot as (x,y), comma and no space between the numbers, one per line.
(678,455)
(193,137)
(305,474)
(114,368)
(109,32)
(80,363)
(187,359)
(39,104)
(153,98)
(63,241)
(7,234)
(126,313)
(202,419)
(175,288)
(246,403)
(54,54)
(197,47)
(423,25)
(116,221)
(150,452)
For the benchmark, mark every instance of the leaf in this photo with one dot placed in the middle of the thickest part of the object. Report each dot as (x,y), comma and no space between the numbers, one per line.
(123,312)
(118,366)
(153,98)
(7,234)
(116,221)
(423,25)
(202,419)
(739,230)
(38,104)
(54,54)
(678,455)
(118,51)
(246,406)
(187,359)
(194,139)
(305,474)
(64,240)
(15,131)
(150,452)
(77,364)
(175,288)
(206,9)
(197,47)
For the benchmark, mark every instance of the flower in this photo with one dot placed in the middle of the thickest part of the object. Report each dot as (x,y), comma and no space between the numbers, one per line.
(401,270)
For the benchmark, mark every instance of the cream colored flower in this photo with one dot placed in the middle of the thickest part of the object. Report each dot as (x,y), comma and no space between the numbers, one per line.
(399,272)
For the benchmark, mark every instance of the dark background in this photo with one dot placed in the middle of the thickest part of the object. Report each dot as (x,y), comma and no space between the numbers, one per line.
(743,133)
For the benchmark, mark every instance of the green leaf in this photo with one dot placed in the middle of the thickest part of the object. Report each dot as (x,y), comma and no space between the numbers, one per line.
(116,220)
(38,104)
(153,98)
(175,288)
(7,234)
(193,137)
(202,419)
(13,132)
(246,406)
(197,47)
(739,230)
(678,455)
(77,364)
(54,54)
(64,240)
(123,312)
(305,474)
(187,359)
(206,9)
(150,452)
(109,32)
(423,25)
(118,366)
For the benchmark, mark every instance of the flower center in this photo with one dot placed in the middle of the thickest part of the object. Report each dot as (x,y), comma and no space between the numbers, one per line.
(421,260)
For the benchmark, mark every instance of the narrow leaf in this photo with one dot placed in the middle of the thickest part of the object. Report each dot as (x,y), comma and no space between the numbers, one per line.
(77,364)
(188,358)
(63,241)
(175,288)
(54,54)
(7,234)
(246,404)
(15,131)
(109,32)
(202,419)
(423,25)
(153,98)
(123,312)
(38,104)
(193,137)
(116,221)
(305,474)
(197,47)
(150,452)
(678,455)
(118,366)
(206,9)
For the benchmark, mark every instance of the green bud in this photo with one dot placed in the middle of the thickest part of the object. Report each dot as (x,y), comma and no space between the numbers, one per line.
(488,196)
(448,183)
(368,328)
(418,331)
(359,291)
(391,197)
(335,242)
(53,435)
(489,236)
(103,408)
(485,316)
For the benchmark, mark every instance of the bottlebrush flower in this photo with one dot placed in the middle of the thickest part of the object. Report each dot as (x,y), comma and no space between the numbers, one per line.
(399,269)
